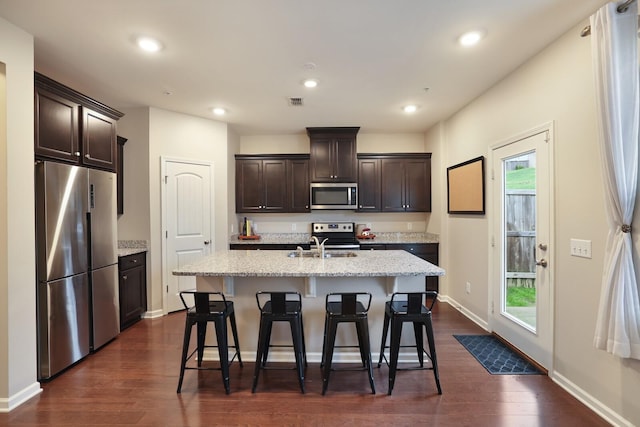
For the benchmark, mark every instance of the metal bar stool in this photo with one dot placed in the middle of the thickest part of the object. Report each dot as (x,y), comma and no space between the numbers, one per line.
(209,307)
(397,312)
(280,307)
(340,308)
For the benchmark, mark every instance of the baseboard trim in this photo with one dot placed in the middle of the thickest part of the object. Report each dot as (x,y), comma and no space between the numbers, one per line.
(153,314)
(588,400)
(462,309)
(19,398)
(591,402)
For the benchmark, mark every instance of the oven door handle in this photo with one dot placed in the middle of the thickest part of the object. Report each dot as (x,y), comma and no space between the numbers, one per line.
(342,246)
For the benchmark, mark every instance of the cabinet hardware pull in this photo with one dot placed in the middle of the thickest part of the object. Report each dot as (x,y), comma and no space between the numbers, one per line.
(542,263)
(77,154)
(206,242)
(124,277)
(87,156)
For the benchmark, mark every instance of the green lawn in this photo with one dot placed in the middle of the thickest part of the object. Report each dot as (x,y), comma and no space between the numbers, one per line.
(521,297)
(521,179)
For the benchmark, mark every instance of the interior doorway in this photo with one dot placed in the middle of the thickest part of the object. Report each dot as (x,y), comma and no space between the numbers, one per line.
(187,222)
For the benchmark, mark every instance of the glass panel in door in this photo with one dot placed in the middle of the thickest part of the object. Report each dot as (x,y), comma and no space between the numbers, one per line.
(519,297)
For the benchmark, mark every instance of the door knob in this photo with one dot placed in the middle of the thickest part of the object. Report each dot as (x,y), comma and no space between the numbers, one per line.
(542,262)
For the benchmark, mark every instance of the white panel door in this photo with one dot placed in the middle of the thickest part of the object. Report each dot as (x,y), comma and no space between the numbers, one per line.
(187,222)
(522,261)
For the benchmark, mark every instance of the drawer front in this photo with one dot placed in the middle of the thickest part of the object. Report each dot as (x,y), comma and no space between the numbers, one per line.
(372,247)
(416,248)
(131,261)
(426,251)
(266,246)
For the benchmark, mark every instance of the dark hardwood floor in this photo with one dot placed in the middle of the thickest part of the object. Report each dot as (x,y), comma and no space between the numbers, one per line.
(132,381)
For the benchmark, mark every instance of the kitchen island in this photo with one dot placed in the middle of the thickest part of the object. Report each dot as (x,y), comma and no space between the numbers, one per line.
(240,274)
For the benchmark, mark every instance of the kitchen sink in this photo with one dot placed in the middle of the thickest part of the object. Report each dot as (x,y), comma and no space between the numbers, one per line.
(301,254)
(340,254)
(314,254)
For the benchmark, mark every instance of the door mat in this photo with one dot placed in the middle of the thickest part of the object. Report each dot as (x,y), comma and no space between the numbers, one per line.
(496,357)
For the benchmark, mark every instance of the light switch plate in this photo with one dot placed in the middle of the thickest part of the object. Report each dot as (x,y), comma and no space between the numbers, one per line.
(581,248)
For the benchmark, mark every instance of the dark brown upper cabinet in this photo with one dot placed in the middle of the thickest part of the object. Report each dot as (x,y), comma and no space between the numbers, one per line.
(394,182)
(298,184)
(369,185)
(272,183)
(73,128)
(120,173)
(333,154)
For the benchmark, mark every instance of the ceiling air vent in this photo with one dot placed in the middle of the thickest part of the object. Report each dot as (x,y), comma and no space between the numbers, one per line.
(295,102)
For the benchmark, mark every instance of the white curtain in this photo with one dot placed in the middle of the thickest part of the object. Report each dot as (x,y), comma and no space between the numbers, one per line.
(615,60)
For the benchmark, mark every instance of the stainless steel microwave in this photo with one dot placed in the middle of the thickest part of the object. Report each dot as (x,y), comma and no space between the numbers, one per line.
(332,195)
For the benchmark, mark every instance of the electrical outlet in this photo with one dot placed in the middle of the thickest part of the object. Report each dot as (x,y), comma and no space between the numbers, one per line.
(232,228)
(468,288)
(293,226)
(581,248)
(368,225)
(409,226)
(254,225)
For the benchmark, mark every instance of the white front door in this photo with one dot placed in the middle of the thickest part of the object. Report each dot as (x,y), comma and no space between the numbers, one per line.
(187,222)
(521,307)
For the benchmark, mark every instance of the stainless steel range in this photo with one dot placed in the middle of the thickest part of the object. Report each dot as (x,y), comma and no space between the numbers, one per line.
(339,235)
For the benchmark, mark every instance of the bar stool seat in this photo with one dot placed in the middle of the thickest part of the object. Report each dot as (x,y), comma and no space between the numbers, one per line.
(280,307)
(209,307)
(341,308)
(409,309)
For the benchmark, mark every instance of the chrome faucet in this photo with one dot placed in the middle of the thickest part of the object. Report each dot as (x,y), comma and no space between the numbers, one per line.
(319,246)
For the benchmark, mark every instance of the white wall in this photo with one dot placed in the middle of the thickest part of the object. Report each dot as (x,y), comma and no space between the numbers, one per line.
(185,137)
(134,223)
(153,133)
(556,85)
(233,147)
(17,219)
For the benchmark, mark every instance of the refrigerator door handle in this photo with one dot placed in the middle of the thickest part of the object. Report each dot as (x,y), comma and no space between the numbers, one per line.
(92,200)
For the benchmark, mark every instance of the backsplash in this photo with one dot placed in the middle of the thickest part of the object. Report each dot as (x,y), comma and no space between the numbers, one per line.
(266,225)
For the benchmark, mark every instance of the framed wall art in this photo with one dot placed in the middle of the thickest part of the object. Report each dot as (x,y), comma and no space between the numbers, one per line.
(465,187)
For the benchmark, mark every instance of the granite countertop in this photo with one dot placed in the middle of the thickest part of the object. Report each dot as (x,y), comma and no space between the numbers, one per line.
(304,238)
(240,263)
(131,247)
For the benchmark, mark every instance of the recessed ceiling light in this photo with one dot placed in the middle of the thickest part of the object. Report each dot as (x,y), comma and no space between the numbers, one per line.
(218,111)
(471,38)
(310,83)
(149,44)
(410,109)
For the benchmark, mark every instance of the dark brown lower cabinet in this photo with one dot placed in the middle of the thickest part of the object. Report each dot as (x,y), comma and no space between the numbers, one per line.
(133,288)
(267,246)
(426,251)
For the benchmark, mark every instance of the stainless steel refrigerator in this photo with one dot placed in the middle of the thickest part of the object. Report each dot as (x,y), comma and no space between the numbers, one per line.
(77,264)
